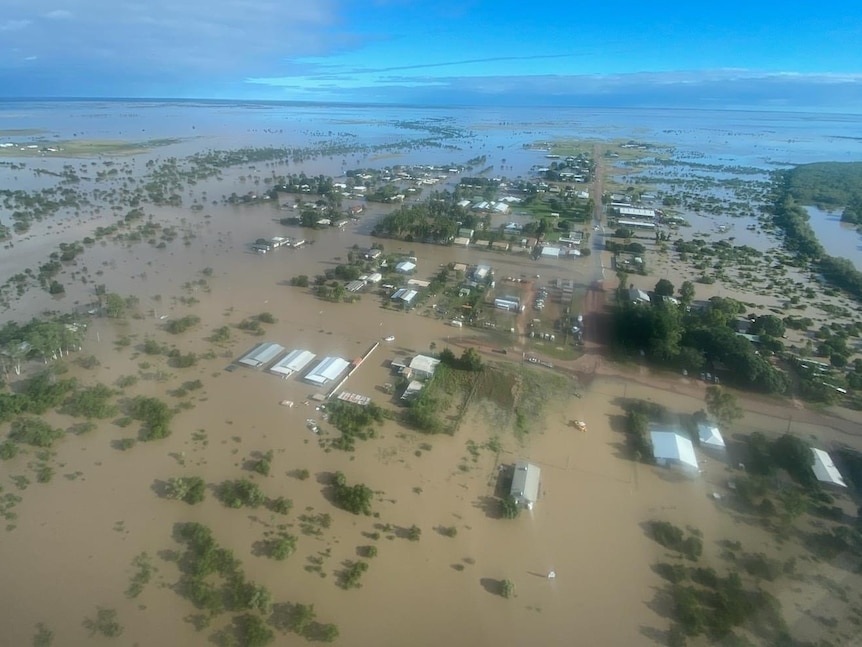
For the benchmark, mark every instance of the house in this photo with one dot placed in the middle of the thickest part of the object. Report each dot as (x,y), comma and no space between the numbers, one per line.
(460,267)
(293,362)
(461,241)
(404,295)
(423,366)
(509,303)
(374,277)
(481,272)
(825,470)
(412,390)
(525,484)
(328,369)
(261,355)
(405,267)
(466,232)
(710,436)
(372,254)
(672,449)
(355,286)
(500,245)
(550,252)
(463,203)
(638,296)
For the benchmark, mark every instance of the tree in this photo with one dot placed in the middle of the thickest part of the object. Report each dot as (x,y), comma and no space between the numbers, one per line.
(768,325)
(471,360)
(686,293)
(722,405)
(509,508)
(794,455)
(115,305)
(664,288)
(507,588)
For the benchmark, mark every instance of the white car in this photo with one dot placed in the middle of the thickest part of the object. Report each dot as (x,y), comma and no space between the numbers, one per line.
(389,338)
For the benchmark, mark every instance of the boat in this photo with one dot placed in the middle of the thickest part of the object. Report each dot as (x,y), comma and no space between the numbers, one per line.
(389,338)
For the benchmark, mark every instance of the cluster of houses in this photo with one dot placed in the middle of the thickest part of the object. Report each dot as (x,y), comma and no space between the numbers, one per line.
(675,449)
(277,360)
(262,245)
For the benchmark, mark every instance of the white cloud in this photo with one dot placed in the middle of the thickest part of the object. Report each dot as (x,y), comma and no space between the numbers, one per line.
(59,14)
(15,25)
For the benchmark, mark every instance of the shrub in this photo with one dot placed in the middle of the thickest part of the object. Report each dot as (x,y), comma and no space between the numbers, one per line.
(414,533)
(239,493)
(509,508)
(353,498)
(191,489)
(507,588)
(264,465)
(282,548)
(34,431)
(281,505)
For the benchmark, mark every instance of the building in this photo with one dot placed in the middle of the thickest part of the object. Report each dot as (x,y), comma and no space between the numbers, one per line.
(412,390)
(500,245)
(293,362)
(405,267)
(634,212)
(638,296)
(710,436)
(355,286)
(525,484)
(636,223)
(327,370)
(423,366)
(550,252)
(825,470)
(672,449)
(512,304)
(404,295)
(461,241)
(481,272)
(374,277)
(261,355)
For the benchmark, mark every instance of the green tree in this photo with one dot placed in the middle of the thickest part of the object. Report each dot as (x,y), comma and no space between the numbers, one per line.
(722,405)
(509,508)
(686,293)
(664,288)
(115,305)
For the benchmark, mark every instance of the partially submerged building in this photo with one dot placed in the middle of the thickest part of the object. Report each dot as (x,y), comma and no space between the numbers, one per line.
(293,362)
(423,366)
(261,355)
(710,436)
(825,470)
(672,449)
(328,369)
(525,484)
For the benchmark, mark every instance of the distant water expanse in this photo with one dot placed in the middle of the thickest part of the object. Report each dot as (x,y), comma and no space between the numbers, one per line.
(714,136)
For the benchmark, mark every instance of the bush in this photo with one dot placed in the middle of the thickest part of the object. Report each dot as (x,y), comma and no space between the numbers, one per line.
(91,402)
(507,588)
(282,548)
(34,431)
(509,508)
(155,415)
(191,489)
(351,575)
(264,464)
(672,537)
(239,493)
(414,533)
(8,450)
(356,498)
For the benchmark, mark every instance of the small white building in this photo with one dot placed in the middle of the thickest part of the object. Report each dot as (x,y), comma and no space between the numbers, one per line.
(710,436)
(423,366)
(825,470)
(405,267)
(525,484)
(672,449)
(404,295)
(550,252)
(638,296)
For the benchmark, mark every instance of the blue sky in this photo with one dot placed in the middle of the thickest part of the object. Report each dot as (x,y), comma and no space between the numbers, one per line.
(758,53)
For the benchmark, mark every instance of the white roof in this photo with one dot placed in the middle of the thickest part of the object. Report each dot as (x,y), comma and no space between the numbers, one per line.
(637,213)
(405,295)
(825,470)
(709,435)
(406,266)
(525,483)
(327,370)
(671,446)
(293,362)
(375,277)
(261,354)
(424,364)
(551,251)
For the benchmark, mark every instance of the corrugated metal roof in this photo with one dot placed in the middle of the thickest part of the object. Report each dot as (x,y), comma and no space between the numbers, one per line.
(671,446)
(293,362)
(261,354)
(327,370)
(825,470)
(525,482)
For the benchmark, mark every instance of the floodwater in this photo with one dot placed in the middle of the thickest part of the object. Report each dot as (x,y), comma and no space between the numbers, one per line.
(838,238)
(74,539)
